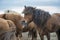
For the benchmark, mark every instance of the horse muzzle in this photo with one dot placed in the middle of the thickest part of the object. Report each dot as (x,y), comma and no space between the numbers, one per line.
(24,24)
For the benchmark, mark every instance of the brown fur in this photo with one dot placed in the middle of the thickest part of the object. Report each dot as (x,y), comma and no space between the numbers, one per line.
(7,25)
(40,30)
(32,25)
(32,30)
(4,25)
(6,28)
(11,25)
(54,20)
(16,18)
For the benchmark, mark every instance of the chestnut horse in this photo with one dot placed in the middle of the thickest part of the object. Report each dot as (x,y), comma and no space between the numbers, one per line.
(17,18)
(44,21)
(7,30)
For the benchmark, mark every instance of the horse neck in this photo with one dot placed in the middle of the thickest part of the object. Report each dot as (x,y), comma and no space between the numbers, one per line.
(36,15)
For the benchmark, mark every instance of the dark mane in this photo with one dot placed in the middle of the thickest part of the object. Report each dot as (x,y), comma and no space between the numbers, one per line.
(40,16)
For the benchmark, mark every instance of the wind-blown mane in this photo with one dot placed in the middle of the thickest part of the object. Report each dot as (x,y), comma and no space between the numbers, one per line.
(40,16)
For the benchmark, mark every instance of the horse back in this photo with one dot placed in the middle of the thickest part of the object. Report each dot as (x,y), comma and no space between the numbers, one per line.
(53,23)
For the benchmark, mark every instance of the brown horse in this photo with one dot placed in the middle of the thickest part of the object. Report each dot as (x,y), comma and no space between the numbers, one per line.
(7,30)
(45,22)
(16,18)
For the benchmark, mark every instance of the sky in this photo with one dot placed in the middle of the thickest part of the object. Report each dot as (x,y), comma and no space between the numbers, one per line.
(18,5)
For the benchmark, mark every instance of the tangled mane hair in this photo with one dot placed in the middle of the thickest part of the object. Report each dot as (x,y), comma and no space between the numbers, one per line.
(39,16)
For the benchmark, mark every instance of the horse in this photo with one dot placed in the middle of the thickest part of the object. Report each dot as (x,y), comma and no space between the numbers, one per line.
(58,32)
(16,18)
(48,23)
(7,30)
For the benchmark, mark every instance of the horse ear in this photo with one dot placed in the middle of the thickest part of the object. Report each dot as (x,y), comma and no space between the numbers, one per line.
(25,6)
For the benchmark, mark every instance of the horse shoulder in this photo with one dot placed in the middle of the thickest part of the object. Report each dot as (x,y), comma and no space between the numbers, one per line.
(32,24)
(4,25)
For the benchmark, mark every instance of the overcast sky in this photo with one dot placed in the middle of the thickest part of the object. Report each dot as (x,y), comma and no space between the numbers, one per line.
(43,4)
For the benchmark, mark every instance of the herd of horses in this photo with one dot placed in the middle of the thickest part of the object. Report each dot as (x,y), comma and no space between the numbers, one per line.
(35,20)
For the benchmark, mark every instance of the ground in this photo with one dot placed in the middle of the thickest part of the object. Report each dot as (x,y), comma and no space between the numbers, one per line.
(53,36)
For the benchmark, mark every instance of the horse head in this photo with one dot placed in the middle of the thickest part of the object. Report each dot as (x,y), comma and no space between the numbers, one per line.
(28,13)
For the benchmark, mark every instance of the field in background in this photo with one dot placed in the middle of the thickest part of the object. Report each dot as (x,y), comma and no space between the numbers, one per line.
(53,36)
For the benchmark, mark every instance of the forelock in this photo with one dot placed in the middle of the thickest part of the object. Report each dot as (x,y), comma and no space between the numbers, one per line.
(28,10)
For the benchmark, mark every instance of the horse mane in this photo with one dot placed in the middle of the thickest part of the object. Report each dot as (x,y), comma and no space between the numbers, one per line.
(41,16)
